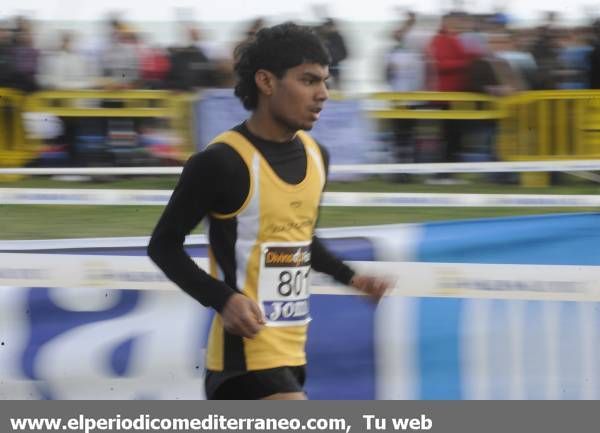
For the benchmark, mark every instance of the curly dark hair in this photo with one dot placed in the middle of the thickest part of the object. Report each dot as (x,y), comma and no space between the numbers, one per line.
(275,49)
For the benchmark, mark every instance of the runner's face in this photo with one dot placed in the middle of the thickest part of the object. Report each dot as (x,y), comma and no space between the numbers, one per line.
(298,97)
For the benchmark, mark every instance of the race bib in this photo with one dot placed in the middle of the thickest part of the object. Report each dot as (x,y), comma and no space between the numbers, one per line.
(283,283)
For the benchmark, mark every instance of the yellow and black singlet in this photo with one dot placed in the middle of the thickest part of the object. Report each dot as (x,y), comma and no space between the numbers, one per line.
(261,202)
(272,260)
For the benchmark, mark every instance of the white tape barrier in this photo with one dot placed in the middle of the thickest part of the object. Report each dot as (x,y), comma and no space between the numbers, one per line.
(468,167)
(84,196)
(94,171)
(190,240)
(362,199)
(418,168)
(88,243)
(368,199)
(532,282)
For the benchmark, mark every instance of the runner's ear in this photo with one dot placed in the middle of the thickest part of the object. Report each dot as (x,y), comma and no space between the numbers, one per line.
(264,81)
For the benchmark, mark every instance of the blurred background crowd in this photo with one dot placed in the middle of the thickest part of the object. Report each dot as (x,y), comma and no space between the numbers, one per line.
(459,51)
(126,60)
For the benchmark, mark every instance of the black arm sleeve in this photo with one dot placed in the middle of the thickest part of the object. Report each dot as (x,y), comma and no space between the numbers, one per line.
(323,260)
(196,193)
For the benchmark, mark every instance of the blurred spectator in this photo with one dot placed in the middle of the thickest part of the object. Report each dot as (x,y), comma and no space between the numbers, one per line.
(6,56)
(255,26)
(470,35)
(65,68)
(223,71)
(493,75)
(25,57)
(114,25)
(190,67)
(594,57)
(154,68)
(221,60)
(121,64)
(405,72)
(450,64)
(405,65)
(545,51)
(551,19)
(520,60)
(449,57)
(23,24)
(121,60)
(500,19)
(573,58)
(335,44)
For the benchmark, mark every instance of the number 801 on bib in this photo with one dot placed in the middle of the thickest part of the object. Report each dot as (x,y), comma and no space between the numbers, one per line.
(283,289)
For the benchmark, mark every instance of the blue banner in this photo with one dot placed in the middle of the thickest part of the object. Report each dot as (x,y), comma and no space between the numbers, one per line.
(132,344)
(343,127)
(495,349)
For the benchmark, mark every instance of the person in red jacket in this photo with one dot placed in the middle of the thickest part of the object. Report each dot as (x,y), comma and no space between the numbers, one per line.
(449,63)
(450,60)
(154,67)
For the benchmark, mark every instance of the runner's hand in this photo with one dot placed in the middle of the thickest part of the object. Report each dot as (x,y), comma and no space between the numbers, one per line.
(242,316)
(373,287)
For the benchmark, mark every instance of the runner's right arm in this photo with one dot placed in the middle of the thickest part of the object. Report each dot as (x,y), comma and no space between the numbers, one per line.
(200,190)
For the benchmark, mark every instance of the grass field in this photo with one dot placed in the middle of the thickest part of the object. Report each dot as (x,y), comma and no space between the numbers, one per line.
(51,222)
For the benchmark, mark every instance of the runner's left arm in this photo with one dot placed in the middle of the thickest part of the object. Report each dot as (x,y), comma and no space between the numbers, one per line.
(323,260)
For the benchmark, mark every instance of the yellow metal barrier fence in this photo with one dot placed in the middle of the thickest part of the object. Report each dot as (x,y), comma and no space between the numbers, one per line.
(15,149)
(537,125)
(540,125)
(436,106)
(534,126)
(175,108)
(97,103)
(546,125)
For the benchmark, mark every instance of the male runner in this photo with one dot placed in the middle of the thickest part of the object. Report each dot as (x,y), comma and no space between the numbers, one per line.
(259,186)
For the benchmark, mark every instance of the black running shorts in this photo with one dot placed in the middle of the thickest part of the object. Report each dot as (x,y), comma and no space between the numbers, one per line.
(253,385)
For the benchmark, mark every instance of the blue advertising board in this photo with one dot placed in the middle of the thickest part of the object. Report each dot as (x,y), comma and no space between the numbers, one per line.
(60,343)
